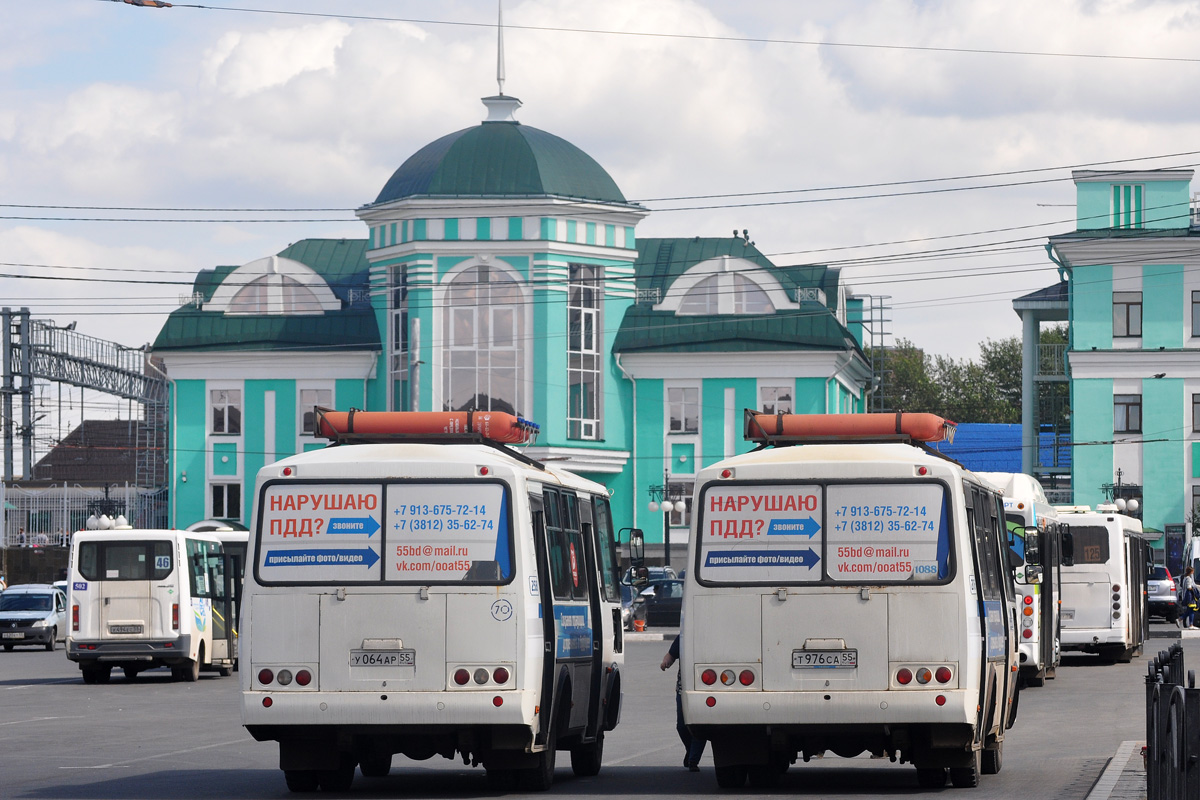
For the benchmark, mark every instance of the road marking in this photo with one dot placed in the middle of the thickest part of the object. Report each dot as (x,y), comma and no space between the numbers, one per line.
(1112,773)
(39,683)
(27,721)
(128,761)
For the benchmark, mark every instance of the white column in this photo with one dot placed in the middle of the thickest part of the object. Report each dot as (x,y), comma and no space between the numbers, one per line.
(268,426)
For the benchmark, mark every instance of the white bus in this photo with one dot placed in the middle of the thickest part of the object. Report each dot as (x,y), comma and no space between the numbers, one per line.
(1033,537)
(1105,567)
(426,593)
(848,591)
(141,599)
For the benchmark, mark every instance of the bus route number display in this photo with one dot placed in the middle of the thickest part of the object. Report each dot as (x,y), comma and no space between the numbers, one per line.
(447,532)
(321,532)
(886,532)
(762,533)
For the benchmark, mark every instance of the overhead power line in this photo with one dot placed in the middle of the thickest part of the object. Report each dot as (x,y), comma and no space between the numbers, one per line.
(682,36)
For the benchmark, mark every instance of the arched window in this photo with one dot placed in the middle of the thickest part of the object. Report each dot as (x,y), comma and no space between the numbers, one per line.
(726,293)
(483,342)
(274,294)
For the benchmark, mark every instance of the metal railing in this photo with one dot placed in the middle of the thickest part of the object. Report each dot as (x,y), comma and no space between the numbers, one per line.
(1172,729)
(47,516)
(1052,360)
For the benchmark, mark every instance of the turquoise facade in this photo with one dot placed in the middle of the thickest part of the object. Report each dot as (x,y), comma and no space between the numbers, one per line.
(1133,290)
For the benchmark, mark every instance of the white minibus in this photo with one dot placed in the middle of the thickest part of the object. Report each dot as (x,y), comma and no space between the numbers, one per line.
(1106,560)
(848,590)
(141,599)
(420,588)
(1033,538)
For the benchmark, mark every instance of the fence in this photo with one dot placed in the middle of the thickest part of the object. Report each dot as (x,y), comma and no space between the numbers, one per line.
(46,516)
(1172,729)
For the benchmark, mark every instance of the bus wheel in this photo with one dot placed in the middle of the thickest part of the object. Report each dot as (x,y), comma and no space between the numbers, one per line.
(89,675)
(731,776)
(189,671)
(8,648)
(224,672)
(539,778)
(931,777)
(967,777)
(1036,680)
(763,776)
(993,757)
(339,779)
(587,758)
(376,765)
(301,780)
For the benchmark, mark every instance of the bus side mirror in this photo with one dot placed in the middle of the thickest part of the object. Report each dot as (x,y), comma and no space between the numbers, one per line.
(1033,546)
(1068,549)
(637,548)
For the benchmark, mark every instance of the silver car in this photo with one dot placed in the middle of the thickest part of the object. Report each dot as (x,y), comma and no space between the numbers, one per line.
(1160,594)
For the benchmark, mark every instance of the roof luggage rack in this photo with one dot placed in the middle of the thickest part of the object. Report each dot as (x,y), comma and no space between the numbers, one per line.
(495,429)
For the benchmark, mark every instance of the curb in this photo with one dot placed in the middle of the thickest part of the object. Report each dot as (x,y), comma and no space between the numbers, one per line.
(1103,788)
(631,636)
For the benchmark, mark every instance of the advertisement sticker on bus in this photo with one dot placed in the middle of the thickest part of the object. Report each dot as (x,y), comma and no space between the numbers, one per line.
(887,532)
(320,532)
(761,533)
(447,532)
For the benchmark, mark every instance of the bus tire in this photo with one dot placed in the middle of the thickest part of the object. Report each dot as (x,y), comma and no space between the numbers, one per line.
(931,777)
(967,777)
(224,672)
(301,780)
(52,645)
(586,759)
(731,776)
(96,674)
(993,757)
(376,765)
(541,777)
(189,671)
(340,778)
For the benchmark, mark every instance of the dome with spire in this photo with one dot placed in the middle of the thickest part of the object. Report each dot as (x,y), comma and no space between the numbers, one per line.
(501,158)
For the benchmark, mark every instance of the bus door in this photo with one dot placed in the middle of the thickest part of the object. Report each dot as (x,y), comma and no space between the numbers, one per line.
(1048,596)
(1135,579)
(541,548)
(984,514)
(226,602)
(569,610)
(129,572)
(590,565)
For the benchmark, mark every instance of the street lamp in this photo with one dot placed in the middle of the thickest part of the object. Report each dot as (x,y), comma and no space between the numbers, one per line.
(667,497)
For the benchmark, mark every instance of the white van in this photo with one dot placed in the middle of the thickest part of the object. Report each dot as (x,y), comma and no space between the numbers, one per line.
(142,599)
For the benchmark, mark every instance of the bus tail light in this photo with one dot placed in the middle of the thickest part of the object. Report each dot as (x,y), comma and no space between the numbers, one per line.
(265,676)
(708,677)
(304,677)
(461,677)
(284,677)
(75,618)
(1028,600)
(481,676)
(746,677)
(710,701)
(940,699)
(1027,633)
(175,616)
(500,675)
(943,674)
(904,676)
(924,675)
(728,677)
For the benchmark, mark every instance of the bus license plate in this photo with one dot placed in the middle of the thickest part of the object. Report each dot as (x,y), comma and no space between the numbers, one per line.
(1068,613)
(824,659)
(118,629)
(17,635)
(383,658)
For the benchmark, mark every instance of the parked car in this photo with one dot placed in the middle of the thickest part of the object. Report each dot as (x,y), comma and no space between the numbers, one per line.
(33,613)
(661,603)
(1161,594)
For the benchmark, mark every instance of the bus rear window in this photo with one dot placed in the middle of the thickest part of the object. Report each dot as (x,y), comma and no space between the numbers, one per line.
(125,561)
(411,532)
(1091,544)
(806,533)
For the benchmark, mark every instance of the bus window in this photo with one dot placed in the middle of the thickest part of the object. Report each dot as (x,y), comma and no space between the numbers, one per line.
(201,556)
(607,547)
(565,546)
(125,561)
(1091,544)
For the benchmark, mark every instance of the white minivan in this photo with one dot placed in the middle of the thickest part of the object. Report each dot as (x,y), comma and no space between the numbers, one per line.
(33,613)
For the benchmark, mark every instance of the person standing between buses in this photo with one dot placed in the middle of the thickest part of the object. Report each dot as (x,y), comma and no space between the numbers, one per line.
(1187,599)
(693,746)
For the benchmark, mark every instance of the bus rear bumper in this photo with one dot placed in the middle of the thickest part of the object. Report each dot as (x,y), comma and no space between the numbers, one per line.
(129,651)
(384,708)
(829,708)
(1088,638)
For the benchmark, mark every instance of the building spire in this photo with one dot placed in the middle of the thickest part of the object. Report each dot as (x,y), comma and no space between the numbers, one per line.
(500,45)
(500,107)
